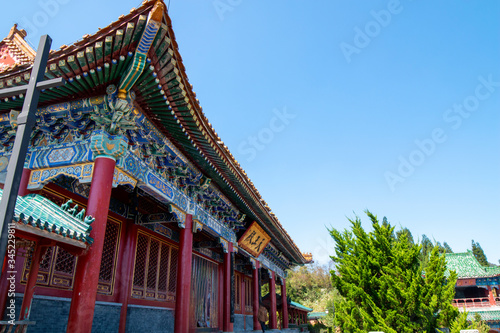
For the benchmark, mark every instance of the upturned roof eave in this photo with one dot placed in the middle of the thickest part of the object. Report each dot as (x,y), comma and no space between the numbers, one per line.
(209,145)
(217,148)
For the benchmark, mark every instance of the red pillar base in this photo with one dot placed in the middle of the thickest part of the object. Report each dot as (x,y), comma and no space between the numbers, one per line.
(285,305)
(273,323)
(227,325)
(255,296)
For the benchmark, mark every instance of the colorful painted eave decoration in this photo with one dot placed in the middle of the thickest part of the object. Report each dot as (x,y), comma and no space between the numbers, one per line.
(36,212)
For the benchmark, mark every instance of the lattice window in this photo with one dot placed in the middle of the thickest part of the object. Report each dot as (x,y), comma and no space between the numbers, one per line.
(248,295)
(140,260)
(46,259)
(237,292)
(155,271)
(56,269)
(65,262)
(153,264)
(172,280)
(163,274)
(58,266)
(108,261)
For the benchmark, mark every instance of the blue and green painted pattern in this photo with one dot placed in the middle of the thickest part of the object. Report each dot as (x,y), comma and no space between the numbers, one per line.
(140,58)
(103,144)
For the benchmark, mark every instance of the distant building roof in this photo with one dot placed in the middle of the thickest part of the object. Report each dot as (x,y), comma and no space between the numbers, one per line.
(486,315)
(299,306)
(467,266)
(316,315)
(15,51)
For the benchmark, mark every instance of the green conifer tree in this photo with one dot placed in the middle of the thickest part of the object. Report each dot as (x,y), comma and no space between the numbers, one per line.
(461,323)
(383,285)
(447,248)
(427,247)
(479,254)
(406,231)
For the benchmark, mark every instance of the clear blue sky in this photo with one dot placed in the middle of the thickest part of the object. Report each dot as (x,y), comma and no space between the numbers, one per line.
(323,103)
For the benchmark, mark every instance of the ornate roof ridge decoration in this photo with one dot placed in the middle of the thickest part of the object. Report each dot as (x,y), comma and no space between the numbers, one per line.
(17,49)
(38,215)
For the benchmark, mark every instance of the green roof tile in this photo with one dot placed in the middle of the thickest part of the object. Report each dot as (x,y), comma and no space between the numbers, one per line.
(491,315)
(316,315)
(300,306)
(467,266)
(38,212)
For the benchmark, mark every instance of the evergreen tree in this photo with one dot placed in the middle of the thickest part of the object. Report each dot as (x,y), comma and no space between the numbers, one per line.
(461,323)
(441,248)
(479,254)
(383,286)
(427,247)
(406,231)
(447,248)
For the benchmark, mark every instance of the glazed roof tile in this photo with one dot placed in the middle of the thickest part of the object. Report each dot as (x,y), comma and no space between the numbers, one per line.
(486,315)
(38,215)
(467,266)
(300,306)
(316,315)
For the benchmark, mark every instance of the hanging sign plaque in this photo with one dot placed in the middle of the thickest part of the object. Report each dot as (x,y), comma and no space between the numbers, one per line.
(254,240)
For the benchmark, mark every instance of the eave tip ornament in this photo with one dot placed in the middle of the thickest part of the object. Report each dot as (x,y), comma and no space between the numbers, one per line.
(308,256)
(157,11)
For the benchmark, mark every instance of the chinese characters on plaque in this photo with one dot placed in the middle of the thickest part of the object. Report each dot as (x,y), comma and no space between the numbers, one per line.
(254,240)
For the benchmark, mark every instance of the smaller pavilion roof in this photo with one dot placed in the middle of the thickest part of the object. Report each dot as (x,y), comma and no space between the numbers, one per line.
(467,266)
(37,215)
(486,315)
(316,315)
(299,306)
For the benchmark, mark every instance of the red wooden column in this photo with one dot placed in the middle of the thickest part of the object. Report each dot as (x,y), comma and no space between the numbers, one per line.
(30,285)
(184,268)
(255,295)
(23,190)
(273,323)
(124,280)
(106,150)
(220,316)
(23,185)
(227,326)
(4,286)
(285,304)
(491,297)
(242,299)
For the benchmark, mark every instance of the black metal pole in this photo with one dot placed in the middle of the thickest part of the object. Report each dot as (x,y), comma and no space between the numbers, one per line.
(25,122)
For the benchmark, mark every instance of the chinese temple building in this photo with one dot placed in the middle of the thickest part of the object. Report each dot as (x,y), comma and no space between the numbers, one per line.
(132,214)
(477,289)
